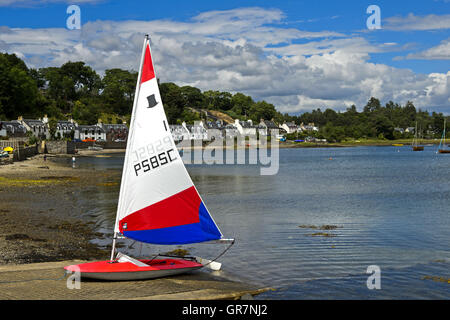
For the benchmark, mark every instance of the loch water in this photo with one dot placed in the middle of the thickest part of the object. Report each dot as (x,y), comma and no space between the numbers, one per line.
(387,207)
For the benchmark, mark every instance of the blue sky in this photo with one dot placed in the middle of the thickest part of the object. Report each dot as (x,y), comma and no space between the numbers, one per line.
(323,48)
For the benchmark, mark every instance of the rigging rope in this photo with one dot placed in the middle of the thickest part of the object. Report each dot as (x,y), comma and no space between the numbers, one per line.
(192,258)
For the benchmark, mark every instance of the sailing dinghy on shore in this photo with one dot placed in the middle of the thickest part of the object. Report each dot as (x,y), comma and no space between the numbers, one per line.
(158,202)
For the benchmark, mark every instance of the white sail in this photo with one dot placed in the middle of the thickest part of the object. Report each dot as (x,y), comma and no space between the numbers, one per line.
(158,202)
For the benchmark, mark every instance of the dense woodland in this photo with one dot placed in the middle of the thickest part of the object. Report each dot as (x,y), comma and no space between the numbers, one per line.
(76,90)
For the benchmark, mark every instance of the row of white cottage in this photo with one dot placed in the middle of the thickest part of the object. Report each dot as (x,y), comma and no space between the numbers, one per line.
(40,128)
(214,130)
(118,132)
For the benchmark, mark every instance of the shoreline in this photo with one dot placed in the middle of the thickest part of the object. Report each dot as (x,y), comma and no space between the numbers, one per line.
(281,145)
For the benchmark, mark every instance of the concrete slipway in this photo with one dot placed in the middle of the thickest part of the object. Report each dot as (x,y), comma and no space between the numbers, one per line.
(46,281)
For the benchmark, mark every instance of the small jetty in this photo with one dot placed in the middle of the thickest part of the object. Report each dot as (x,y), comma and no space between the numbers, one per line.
(46,281)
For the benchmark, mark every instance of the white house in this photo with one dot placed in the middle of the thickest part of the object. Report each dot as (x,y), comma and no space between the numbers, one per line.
(114,132)
(65,128)
(245,128)
(290,127)
(308,127)
(12,129)
(214,130)
(179,132)
(38,127)
(231,131)
(94,132)
(266,126)
(197,131)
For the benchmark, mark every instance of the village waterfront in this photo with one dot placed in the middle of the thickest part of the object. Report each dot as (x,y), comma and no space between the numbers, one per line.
(311,231)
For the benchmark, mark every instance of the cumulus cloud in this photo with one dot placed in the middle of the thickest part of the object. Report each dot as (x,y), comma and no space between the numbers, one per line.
(247,50)
(413,22)
(439,52)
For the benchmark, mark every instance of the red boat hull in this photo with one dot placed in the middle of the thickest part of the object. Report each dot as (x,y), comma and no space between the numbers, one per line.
(127,271)
(444,151)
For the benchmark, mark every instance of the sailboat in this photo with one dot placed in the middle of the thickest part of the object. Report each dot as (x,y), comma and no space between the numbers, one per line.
(441,148)
(416,147)
(158,202)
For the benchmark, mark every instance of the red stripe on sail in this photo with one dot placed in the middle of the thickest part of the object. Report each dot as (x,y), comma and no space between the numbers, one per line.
(147,69)
(179,209)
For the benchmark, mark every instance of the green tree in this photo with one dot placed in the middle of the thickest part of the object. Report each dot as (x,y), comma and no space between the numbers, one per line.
(72,81)
(384,127)
(173,101)
(372,105)
(86,114)
(218,100)
(18,89)
(193,97)
(409,113)
(262,110)
(52,124)
(241,104)
(118,93)
(330,115)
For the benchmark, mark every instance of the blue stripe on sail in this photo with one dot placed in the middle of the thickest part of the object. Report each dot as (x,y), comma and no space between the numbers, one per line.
(205,230)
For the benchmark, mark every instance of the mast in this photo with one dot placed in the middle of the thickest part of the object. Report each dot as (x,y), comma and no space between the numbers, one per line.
(130,137)
(445,122)
(415,142)
(442,145)
(415,136)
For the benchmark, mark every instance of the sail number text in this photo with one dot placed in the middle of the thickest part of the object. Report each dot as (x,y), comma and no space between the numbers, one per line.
(154,155)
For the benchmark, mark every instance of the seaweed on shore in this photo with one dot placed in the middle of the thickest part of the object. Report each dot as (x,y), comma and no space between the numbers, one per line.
(21,236)
(42,181)
(178,253)
(17,236)
(108,184)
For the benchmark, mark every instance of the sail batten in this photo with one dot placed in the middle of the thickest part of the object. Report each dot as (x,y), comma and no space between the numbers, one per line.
(158,202)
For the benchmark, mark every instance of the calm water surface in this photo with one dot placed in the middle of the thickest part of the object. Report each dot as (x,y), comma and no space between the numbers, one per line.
(391,207)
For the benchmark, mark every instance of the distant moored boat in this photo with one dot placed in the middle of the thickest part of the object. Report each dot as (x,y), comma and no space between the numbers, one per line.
(416,147)
(441,148)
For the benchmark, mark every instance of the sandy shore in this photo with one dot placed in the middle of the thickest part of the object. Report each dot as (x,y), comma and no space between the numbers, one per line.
(40,209)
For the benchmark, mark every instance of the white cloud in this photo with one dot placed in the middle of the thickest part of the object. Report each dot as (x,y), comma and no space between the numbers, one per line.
(413,22)
(439,52)
(245,50)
